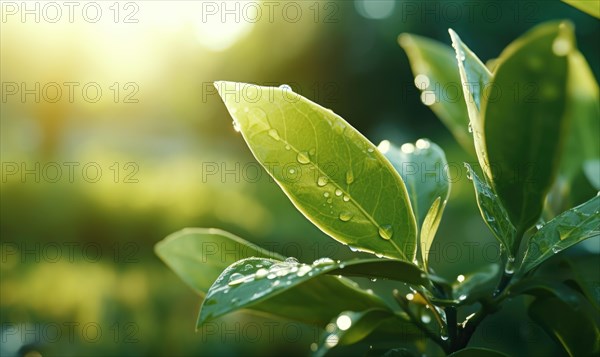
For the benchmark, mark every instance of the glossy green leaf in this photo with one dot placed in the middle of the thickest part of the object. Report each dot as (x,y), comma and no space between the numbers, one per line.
(565,230)
(477,352)
(572,328)
(350,327)
(590,7)
(423,169)
(381,268)
(331,173)
(475,78)
(199,255)
(289,289)
(436,75)
(545,288)
(583,107)
(492,212)
(474,286)
(524,130)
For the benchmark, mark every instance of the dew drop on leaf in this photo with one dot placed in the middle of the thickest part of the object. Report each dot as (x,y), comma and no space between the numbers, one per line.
(322,181)
(332,341)
(338,192)
(345,216)
(323,261)
(285,87)
(261,273)
(386,231)
(343,322)
(303,158)
(349,177)
(236,126)
(346,198)
(462,297)
(291,260)
(274,134)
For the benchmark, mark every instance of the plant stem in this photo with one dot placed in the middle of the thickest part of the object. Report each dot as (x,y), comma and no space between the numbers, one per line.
(451,323)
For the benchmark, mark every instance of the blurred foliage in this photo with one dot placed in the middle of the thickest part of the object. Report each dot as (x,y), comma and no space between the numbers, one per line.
(178,131)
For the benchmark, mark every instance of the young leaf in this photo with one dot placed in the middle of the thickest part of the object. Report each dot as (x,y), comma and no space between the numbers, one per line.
(545,288)
(523,128)
(297,291)
(330,172)
(494,215)
(350,327)
(475,78)
(590,7)
(199,255)
(572,328)
(423,169)
(565,230)
(436,75)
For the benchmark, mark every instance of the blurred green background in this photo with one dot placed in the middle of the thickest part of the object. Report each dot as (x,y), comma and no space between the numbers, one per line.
(112,137)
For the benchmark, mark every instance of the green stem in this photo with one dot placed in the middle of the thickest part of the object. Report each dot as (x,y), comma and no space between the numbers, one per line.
(452,326)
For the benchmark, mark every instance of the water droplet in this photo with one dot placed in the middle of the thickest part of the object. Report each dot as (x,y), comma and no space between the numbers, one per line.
(349,177)
(470,128)
(303,270)
(379,255)
(407,148)
(322,181)
(386,231)
(343,322)
(291,260)
(423,144)
(329,200)
(285,87)
(275,283)
(373,279)
(345,216)
(460,55)
(332,341)
(444,337)
(346,198)
(248,267)
(428,97)
(303,158)
(236,126)
(323,261)
(274,134)
(462,297)
(287,147)
(555,249)
(410,296)
(326,194)
(236,279)
(338,192)
(561,46)
(271,276)
(539,226)
(354,249)
(422,81)
(370,150)
(384,146)
(460,278)
(425,318)
(510,266)
(292,171)
(261,273)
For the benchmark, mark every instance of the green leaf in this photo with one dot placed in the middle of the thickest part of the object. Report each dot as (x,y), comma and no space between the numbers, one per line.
(423,169)
(199,255)
(476,285)
(572,328)
(350,327)
(545,288)
(330,172)
(381,268)
(492,212)
(583,106)
(289,289)
(477,352)
(523,132)
(475,78)
(565,230)
(436,75)
(590,7)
